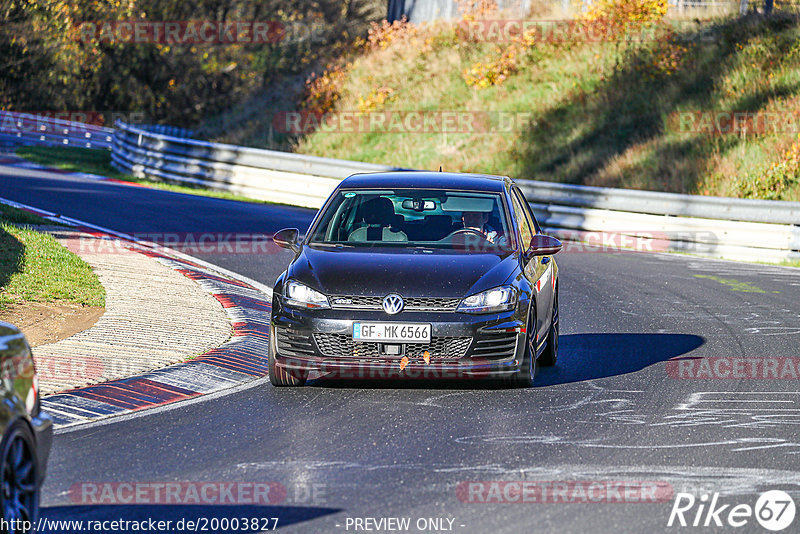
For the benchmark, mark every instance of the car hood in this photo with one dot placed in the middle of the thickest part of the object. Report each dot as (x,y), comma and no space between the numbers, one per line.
(408,272)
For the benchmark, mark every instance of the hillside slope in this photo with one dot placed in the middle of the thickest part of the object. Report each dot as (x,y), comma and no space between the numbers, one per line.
(699,107)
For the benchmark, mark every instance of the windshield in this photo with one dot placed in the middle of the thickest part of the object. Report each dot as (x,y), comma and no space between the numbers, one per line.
(429,218)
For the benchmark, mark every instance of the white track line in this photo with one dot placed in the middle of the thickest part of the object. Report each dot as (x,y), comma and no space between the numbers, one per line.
(142,243)
(111,419)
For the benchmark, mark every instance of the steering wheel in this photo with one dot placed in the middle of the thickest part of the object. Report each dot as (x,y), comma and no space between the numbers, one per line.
(467,231)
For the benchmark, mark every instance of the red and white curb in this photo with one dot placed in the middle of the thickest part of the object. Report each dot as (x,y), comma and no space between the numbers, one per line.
(241,359)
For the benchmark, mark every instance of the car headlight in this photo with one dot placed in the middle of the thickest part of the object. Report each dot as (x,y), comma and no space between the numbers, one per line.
(492,300)
(302,296)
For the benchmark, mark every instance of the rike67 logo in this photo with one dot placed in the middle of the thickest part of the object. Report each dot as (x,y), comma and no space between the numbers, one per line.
(774,510)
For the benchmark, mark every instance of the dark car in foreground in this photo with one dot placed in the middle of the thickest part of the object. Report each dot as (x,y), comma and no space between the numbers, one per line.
(27,432)
(421,275)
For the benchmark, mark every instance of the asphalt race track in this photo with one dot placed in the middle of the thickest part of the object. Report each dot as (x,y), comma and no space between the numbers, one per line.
(609,411)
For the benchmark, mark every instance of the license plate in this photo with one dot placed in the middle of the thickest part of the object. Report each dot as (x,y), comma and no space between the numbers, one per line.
(392,332)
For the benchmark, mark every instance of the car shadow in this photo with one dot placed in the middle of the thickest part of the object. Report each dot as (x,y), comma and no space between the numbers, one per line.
(581,357)
(182,518)
(591,356)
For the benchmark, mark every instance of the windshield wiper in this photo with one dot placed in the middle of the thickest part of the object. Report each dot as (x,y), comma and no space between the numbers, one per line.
(332,245)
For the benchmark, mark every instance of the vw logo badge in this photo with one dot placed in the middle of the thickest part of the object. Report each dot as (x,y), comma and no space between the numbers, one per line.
(393,304)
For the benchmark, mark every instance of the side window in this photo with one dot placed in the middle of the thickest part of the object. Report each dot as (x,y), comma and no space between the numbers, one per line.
(525,231)
(527,208)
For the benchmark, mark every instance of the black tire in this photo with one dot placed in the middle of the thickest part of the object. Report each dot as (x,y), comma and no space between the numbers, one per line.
(280,377)
(527,371)
(19,496)
(549,356)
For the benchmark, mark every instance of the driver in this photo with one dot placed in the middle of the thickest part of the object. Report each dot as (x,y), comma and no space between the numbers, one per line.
(477,221)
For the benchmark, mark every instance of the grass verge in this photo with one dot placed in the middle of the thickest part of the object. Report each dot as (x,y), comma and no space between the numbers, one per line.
(34,267)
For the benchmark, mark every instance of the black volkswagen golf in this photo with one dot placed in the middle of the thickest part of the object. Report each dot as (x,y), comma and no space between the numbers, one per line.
(418,275)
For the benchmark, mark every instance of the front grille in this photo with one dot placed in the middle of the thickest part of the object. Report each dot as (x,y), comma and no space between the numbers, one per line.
(343,346)
(291,343)
(354,302)
(495,346)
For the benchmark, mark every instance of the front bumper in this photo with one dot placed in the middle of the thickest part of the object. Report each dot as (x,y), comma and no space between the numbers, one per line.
(462,345)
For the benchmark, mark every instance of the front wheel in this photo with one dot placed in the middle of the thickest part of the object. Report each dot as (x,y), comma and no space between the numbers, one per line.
(527,371)
(19,497)
(550,353)
(280,377)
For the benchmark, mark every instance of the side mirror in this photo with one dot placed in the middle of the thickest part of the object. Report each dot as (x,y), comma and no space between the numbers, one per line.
(287,238)
(543,245)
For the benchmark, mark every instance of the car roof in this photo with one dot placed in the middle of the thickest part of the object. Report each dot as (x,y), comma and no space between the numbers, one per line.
(426,180)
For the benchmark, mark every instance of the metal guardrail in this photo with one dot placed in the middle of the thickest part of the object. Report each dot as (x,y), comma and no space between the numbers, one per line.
(262,174)
(28,129)
(752,230)
(629,200)
(164,129)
